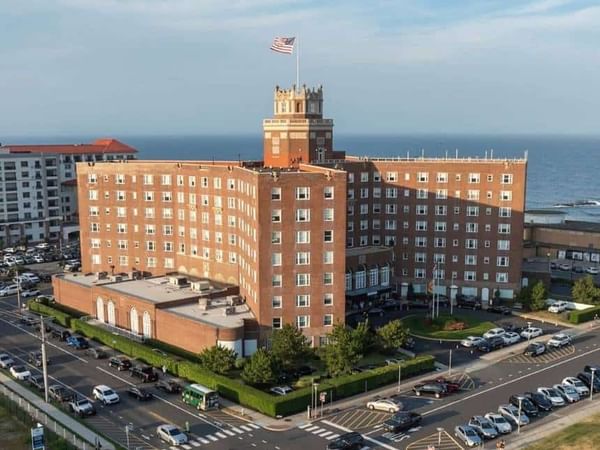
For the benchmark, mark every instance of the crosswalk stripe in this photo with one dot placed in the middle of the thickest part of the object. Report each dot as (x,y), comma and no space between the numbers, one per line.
(173,448)
(320,430)
(253,425)
(204,441)
(304,425)
(230,433)
(221,435)
(195,443)
(237,430)
(244,427)
(211,437)
(327,433)
(187,447)
(314,427)
(333,436)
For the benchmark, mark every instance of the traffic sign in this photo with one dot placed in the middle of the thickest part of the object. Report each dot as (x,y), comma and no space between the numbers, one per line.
(37,438)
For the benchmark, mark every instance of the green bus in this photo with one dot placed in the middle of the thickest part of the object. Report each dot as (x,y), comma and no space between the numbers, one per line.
(200,397)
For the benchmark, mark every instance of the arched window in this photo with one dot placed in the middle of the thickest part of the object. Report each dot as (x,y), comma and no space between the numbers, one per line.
(111,313)
(134,321)
(100,309)
(147,322)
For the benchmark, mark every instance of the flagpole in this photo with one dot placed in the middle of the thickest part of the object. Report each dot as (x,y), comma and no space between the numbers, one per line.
(297,63)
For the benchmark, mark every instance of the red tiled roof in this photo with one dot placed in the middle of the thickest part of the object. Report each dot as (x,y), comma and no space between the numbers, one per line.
(97,147)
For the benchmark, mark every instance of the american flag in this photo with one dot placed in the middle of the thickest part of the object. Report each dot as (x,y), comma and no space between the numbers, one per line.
(283,45)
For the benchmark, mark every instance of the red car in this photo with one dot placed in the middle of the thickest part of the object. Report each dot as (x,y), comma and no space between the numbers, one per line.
(450,386)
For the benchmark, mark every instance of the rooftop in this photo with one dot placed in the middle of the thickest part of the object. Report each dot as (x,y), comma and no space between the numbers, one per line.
(99,146)
(572,225)
(215,314)
(356,251)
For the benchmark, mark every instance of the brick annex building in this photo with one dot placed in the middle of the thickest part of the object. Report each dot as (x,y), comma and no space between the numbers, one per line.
(195,253)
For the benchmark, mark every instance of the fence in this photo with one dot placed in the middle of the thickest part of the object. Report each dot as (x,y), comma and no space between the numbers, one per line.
(19,406)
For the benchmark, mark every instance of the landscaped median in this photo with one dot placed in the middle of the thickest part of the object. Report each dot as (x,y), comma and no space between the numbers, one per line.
(584,315)
(446,327)
(235,390)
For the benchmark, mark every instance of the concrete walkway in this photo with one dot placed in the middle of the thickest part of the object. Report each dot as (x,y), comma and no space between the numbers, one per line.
(56,414)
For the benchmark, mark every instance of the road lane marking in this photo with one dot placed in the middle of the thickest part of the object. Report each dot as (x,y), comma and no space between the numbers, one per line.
(238,431)
(303,426)
(247,428)
(211,437)
(253,425)
(368,438)
(221,435)
(514,380)
(230,433)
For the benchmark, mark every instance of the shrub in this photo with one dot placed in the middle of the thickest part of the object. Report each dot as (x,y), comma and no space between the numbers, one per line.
(584,315)
(60,317)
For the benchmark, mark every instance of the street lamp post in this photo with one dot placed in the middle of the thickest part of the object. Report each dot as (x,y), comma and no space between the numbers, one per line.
(528,333)
(519,417)
(450,363)
(592,383)
(440,431)
(399,376)
(548,258)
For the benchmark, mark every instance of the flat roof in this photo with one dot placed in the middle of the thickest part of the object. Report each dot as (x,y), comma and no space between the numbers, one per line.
(572,225)
(214,314)
(357,251)
(545,212)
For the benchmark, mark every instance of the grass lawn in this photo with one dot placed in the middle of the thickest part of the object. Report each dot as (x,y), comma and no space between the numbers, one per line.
(584,435)
(13,434)
(547,316)
(438,329)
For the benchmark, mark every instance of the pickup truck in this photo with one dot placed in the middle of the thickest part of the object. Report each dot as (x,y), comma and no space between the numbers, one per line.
(145,373)
(82,407)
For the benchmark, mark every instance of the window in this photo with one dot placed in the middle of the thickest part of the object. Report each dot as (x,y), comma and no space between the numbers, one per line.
(421,210)
(502,261)
(440,210)
(328,236)
(303,300)
(364,177)
(391,193)
(302,193)
(390,208)
(328,278)
(275,237)
(442,177)
(501,277)
(302,258)
(471,244)
(328,214)
(302,215)
(503,245)
(92,178)
(328,320)
(420,273)
(507,178)
(420,257)
(470,260)
(392,176)
(504,228)
(275,193)
(121,228)
(93,195)
(472,211)
(470,275)
(303,279)
(276,280)
(390,224)
(276,301)
(376,177)
(302,321)
(276,215)
(441,194)
(277,322)
(472,194)
(422,177)
(302,237)
(420,241)
(474,178)
(328,192)
(506,196)
(504,211)
(150,246)
(364,192)
(421,225)
(276,259)
(457,210)
(360,280)
(148,179)
(439,242)
(472,227)
(421,194)
(328,257)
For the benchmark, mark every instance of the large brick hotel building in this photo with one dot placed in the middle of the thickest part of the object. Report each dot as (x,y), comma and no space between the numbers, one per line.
(204,252)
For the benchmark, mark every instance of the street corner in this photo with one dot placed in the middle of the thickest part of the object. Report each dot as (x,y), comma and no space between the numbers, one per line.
(464,380)
(440,440)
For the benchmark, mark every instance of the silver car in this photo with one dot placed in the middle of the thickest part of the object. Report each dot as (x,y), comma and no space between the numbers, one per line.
(581,388)
(569,393)
(553,395)
(502,425)
(511,413)
(468,435)
(484,427)
(171,434)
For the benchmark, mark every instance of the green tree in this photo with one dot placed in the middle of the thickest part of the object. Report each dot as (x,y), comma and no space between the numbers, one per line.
(524,296)
(218,359)
(584,291)
(538,296)
(342,352)
(259,369)
(289,346)
(392,335)
(363,337)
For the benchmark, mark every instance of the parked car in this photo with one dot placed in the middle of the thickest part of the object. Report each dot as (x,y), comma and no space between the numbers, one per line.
(281,390)
(588,368)
(586,378)
(511,338)
(171,434)
(78,342)
(578,269)
(553,395)
(534,349)
(539,400)
(564,267)
(471,341)
(567,392)
(35,358)
(484,427)
(170,386)
(37,381)
(20,373)
(347,441)
(576,383)
(592,270)
(31,292)
(402,421)
(385,404)
(511,413)
(493,333)
(436,389)
(96,353)
(139,394)
(526,404)
(505,310)
(531,332)
(60,334)
(145,373)
(449,386)
(468,301)
(105,394)
(6,361)
(559,340)
(82,407)
(120,362)
(488,345)
(557,307)
(10,289)
(59,393)
(468,435)
(502,425)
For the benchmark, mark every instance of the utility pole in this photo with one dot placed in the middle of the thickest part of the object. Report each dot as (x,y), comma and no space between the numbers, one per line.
(450,363)
(399,376)
(18,291)
(44,359)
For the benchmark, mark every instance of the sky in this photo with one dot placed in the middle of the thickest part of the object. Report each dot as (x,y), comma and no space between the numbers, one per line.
(174,67)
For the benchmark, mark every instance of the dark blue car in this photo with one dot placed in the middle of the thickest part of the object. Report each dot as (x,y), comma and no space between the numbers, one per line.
(77,342)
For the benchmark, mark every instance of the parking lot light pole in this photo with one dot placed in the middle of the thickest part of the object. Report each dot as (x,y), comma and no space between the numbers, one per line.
(44,360)
(592,383)
(450,363)
(529,333)
(440,431)
(519,417)
(399,376)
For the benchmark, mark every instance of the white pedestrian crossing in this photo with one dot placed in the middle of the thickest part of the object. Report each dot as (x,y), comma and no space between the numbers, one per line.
(318,430)
(237,430)
(198,441)
(186,446)
(332,437)
(204,441)
(195,443)
(245,427)
(253,425)
(230,433)
(221,435)
(305,425)
(212,438)
(326,433)
(314,427)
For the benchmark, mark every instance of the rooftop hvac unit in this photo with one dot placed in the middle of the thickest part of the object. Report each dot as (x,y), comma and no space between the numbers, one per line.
(116,278)
(200,286)
(178,281)
(229,310)
(204,303)
(233,300)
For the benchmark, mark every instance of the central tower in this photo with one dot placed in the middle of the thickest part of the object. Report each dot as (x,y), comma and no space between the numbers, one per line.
(297,133)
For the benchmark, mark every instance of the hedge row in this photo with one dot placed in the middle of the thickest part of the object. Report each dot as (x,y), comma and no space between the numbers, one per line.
(583,315)
(59,316)
(237,391)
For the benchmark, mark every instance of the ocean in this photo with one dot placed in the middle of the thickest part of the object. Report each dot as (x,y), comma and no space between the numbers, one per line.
(563,171)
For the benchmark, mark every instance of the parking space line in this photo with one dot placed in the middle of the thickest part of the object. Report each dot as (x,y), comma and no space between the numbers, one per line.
(367,438)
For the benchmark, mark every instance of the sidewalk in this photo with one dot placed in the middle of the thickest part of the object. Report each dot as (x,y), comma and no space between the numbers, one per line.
(56,414)
(359,400)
